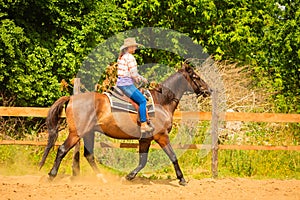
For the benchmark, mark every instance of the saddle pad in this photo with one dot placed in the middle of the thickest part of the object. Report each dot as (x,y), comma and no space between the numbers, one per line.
(120,104)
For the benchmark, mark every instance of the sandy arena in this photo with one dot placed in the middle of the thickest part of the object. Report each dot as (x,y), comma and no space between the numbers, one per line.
(113,187)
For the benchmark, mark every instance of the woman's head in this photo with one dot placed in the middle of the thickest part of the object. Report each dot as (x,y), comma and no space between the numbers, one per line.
(129,43)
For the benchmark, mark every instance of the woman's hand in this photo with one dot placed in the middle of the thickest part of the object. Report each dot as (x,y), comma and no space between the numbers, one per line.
(145,80)
(140,79)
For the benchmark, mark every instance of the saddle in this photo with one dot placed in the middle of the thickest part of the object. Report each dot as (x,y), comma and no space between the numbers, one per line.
(118,100)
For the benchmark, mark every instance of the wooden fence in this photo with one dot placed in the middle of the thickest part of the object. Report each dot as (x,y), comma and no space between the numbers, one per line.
(229,116)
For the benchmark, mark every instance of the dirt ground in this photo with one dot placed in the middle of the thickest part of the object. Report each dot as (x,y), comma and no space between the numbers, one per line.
(113,187)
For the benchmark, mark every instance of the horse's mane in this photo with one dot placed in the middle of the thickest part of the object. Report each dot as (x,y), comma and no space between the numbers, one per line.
(162,93)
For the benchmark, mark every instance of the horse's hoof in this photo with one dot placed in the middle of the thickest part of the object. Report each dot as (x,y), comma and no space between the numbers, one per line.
(50,178)
(129,177)
(101,178)
(45,179)
(182,182)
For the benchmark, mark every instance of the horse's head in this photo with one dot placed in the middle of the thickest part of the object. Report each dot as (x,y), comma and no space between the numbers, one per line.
(196,84)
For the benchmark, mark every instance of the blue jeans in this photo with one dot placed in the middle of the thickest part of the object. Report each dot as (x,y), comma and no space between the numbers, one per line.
(132,92)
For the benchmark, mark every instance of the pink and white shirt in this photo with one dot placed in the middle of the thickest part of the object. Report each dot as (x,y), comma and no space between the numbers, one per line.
(127,70)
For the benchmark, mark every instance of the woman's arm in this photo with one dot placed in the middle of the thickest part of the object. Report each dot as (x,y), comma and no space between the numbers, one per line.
(132,67)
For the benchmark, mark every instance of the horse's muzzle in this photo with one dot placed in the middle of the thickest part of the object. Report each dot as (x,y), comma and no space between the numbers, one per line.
(205,93)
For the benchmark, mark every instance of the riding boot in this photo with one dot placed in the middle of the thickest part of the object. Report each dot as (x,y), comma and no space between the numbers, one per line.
(145,128)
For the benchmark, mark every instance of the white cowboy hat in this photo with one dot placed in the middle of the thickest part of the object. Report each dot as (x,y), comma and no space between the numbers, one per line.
(129,42)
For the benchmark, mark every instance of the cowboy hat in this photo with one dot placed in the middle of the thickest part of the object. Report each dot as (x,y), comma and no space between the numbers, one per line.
(129,42)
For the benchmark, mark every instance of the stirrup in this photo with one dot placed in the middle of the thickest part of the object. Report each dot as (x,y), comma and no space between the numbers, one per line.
(147,129)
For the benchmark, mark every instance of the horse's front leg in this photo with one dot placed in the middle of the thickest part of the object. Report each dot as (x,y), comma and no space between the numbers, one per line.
(144,145)
(170,152)
(164,142)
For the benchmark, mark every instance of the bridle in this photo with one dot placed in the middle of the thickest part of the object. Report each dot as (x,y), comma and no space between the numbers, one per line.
(195,79)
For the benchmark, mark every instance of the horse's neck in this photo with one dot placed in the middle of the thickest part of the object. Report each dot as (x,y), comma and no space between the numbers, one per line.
(178,85)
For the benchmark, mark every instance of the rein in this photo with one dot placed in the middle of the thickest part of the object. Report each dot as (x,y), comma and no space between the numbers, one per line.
(170,96)
(159,89)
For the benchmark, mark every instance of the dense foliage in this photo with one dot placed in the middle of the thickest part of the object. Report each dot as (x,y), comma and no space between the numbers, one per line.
(45,42)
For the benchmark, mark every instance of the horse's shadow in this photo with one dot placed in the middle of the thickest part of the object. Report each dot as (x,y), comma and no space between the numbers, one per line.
(150,181)
(63,178)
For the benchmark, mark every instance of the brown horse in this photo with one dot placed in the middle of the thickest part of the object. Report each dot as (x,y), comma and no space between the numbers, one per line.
(90,112)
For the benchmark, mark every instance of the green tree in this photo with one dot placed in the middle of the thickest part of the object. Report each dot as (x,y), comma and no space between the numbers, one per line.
(44,42)
(262,34)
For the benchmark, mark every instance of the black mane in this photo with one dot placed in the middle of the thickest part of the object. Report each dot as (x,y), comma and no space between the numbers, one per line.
(165,92)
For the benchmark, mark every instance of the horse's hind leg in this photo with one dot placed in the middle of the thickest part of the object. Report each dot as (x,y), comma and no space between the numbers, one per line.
(89,140)
(61,152)
(144,145)
(76,160)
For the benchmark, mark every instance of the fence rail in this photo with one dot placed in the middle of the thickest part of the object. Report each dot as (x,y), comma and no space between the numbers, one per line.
(228,116)
(155,146)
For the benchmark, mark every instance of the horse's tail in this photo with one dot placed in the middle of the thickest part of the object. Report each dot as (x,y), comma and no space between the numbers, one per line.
(52,125)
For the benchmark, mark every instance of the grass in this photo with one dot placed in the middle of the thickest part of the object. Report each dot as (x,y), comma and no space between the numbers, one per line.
(22,160)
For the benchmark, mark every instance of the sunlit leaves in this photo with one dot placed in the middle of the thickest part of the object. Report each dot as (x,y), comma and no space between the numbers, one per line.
(56,36)
(44,42)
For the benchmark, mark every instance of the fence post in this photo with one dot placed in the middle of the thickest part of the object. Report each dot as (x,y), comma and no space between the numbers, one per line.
(76,153)
(214,134)
(76,88)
